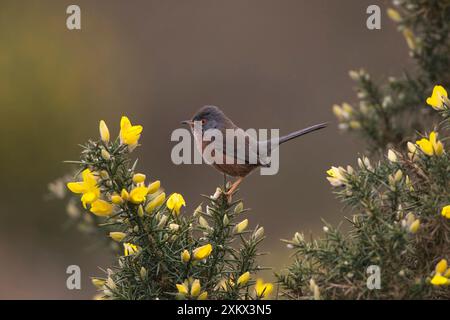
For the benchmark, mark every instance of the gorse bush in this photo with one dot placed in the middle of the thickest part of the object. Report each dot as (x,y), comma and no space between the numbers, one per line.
(389,114)
(398,198)
(400,204)
(167,254)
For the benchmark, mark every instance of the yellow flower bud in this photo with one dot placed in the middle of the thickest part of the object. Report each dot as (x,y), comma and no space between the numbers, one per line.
(203,222)
(441,267)
(125,195)
(155,203)
(195,288)
(243,279)
(138,178)
(185,256)
(203,296)
(105,155)
(143,273)
(410,38)
(355,124)
(104,132)
(225,220)
(202,252)
(117,236)
(162,222)
(258,233)
(414,227)
(392,156)
(116,199)
(182,289)
(99,283)
(140,211)
(239,207)
(197,211)
(394,15)
(241,226)
(316,293)
(411,147)
(153,187)
(104,175)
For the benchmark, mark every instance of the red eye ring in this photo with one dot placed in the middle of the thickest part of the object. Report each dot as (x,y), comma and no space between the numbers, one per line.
(203,121)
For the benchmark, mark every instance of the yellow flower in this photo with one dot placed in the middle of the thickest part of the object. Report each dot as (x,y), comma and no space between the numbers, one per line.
(241,226)
(138,178)
(441,267)
(431,146)
(185,256)
(336,176)
(394,15)
(130,249)
(138,194)
(175,202)
(263,290)
(182,288)
(439,280)
(116,199)
(153,187)
(437,98)
(202,252)
(88,187)
(117,236)
(101,208)
(104,132)
(155,203)
(243,279)
(446,212)
(195,288)
(99,283)
(129,134)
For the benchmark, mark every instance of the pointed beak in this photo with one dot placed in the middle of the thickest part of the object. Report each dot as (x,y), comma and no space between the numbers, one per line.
(189,122)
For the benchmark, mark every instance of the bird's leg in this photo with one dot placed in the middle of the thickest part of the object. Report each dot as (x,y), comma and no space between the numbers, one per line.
(233,188)
(224,181)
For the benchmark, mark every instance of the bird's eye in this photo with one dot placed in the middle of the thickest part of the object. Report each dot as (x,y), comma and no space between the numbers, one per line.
(203,121)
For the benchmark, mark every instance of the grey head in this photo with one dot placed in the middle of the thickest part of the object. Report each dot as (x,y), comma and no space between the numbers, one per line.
(211,117)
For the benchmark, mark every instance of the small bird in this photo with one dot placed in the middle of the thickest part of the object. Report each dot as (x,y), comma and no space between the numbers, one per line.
(211,117)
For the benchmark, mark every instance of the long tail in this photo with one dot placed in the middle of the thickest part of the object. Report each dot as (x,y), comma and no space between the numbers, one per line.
(302,132)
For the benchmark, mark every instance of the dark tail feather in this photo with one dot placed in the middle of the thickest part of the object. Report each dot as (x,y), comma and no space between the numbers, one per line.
(302,132)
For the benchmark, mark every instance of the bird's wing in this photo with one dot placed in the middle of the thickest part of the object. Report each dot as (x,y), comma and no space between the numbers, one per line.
(241,148)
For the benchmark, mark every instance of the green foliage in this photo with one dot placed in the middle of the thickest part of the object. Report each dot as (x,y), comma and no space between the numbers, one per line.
(162,244)
(388,114)
(396,202)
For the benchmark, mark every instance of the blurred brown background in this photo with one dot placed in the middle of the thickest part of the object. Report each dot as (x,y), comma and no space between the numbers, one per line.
(267,63)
